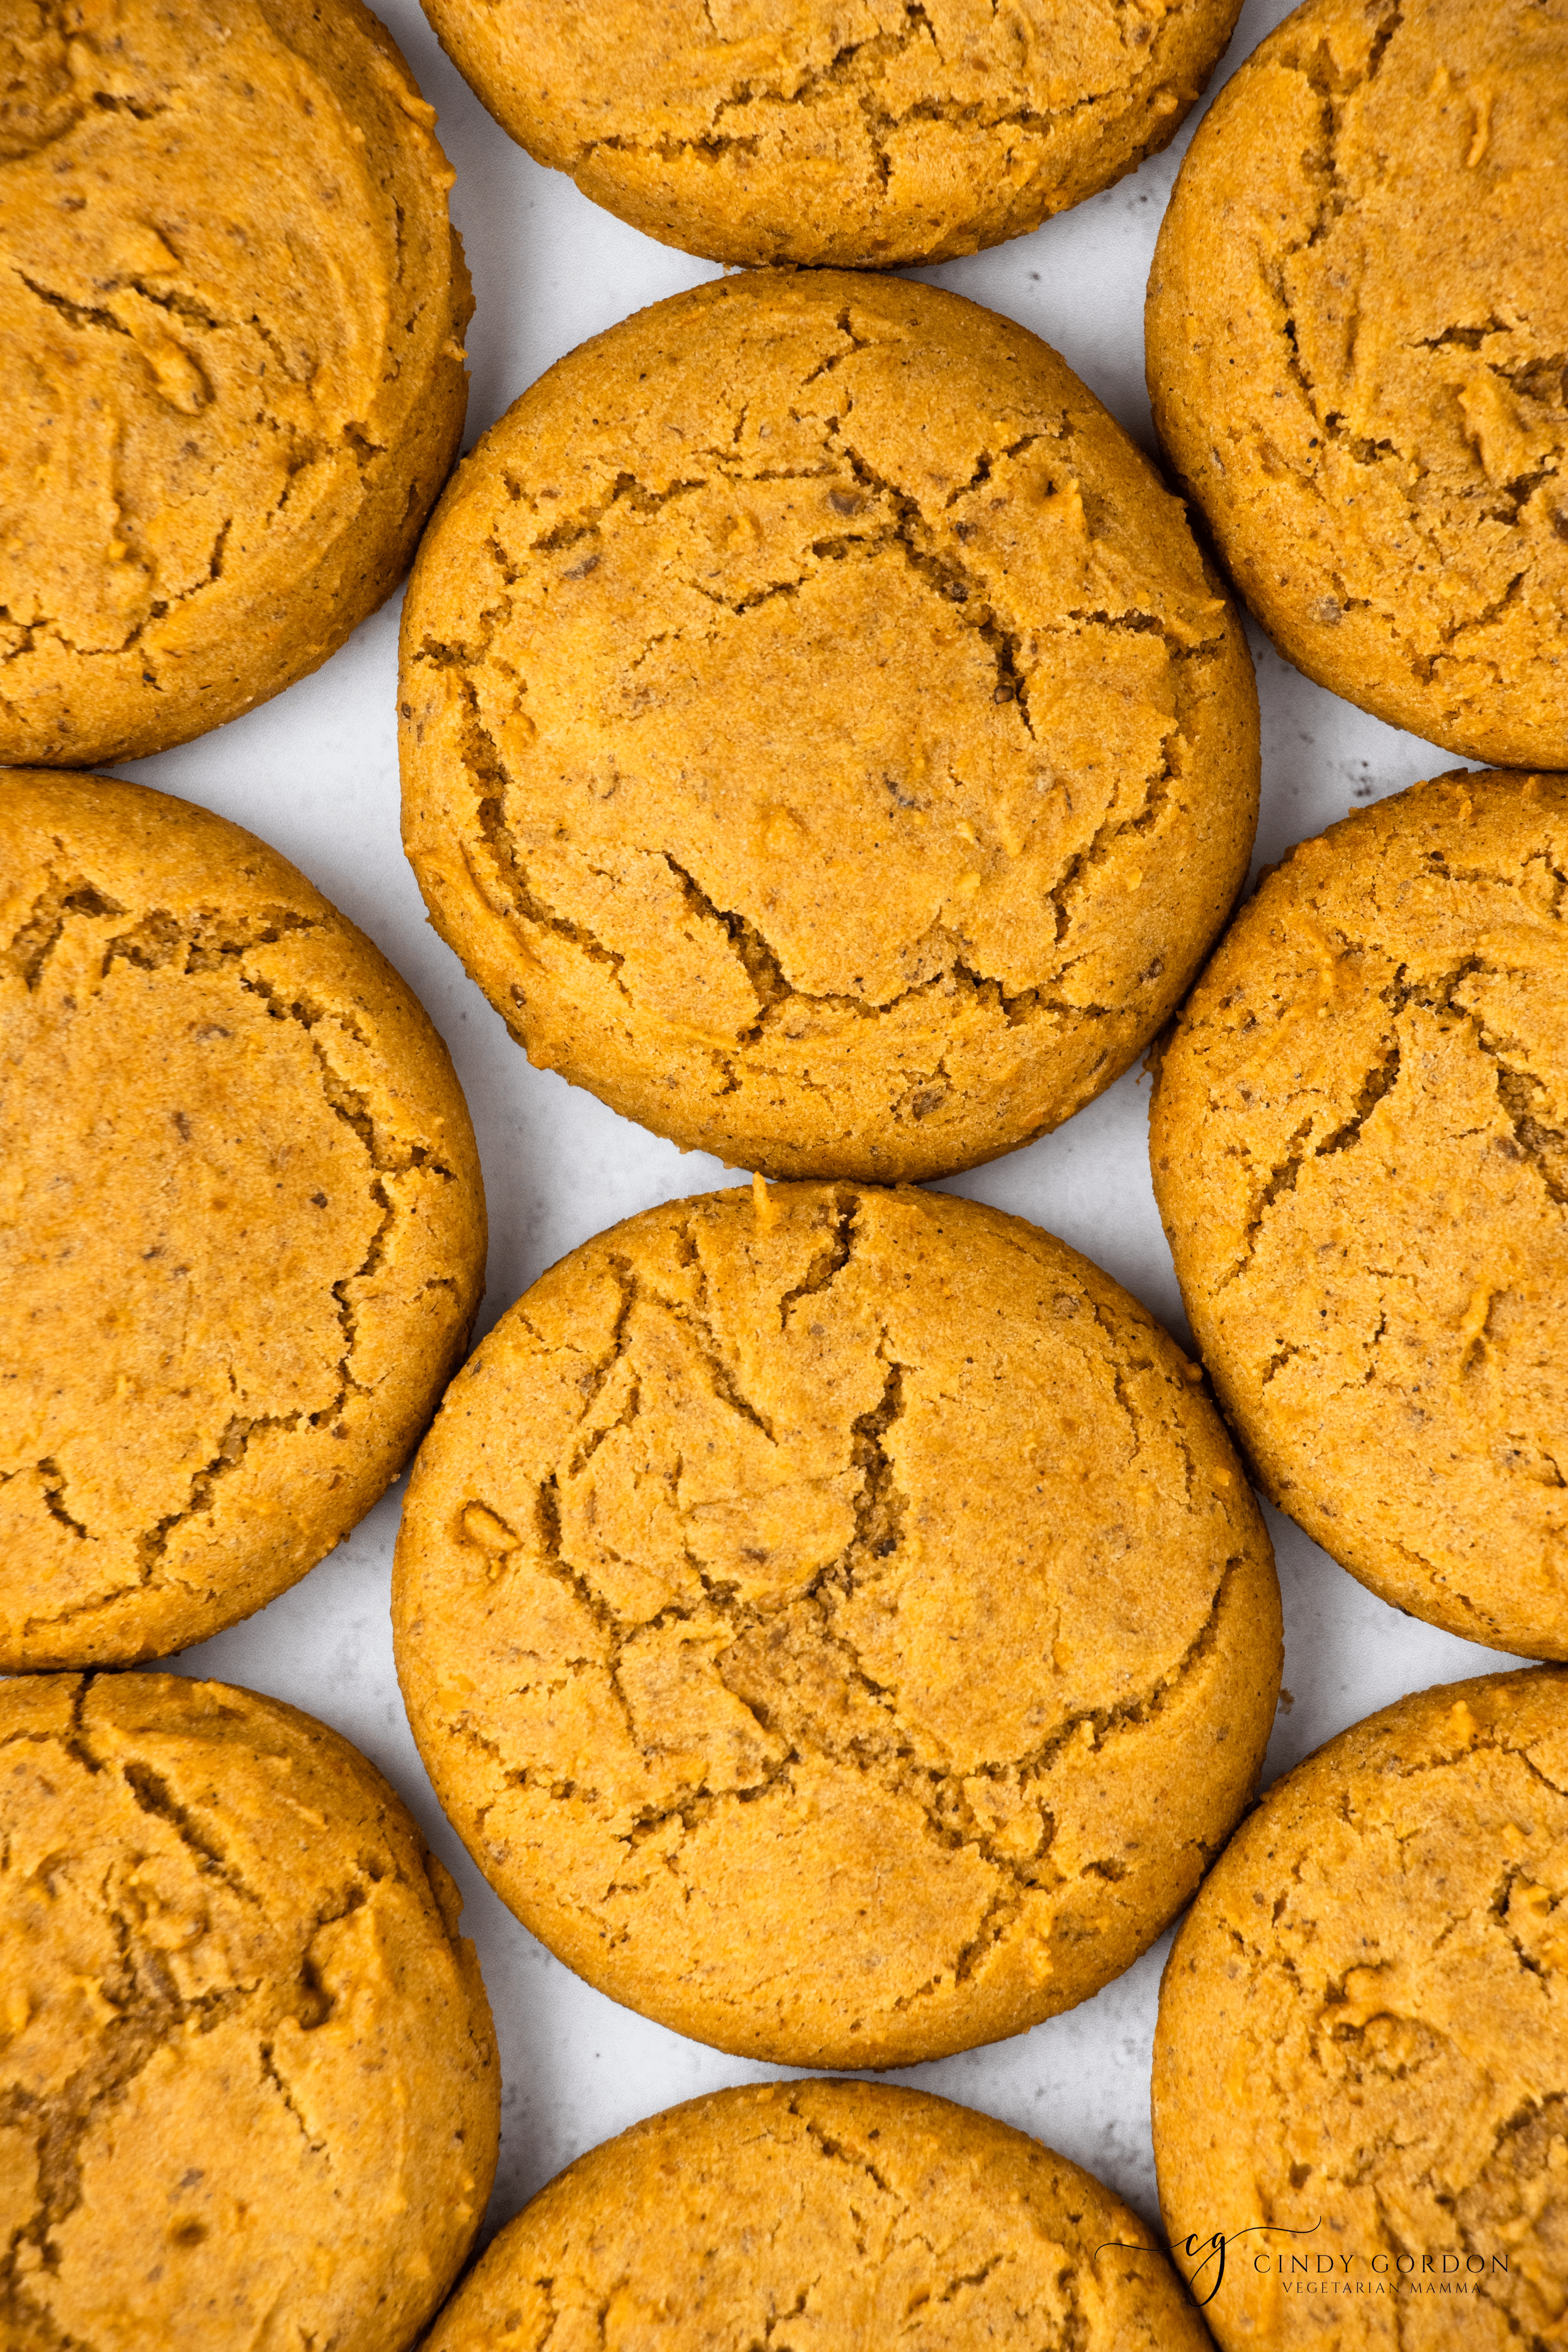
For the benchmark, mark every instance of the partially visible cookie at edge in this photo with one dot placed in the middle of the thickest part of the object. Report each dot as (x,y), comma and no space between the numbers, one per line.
(835,1622)
(887,2216)
(822,738)
(242,1230)
(865,137)
(1359,1137)
(1363,2043)
(249,2082)
(232,307)
(1356,338)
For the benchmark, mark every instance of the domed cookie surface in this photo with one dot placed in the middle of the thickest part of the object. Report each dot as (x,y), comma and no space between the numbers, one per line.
(1356,331)
(249,2081)
(834,1623)
(242,1230)
(231,308)
(1358,1145)
(865,137)
(1362,2058)
(821,738)
(886,2216)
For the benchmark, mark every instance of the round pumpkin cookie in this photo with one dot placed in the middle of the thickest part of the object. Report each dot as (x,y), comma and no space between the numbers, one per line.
(866,136)
(242,1230)
(1361,2067)
(821,736)
(1357,363)
(886,2216)
(231,311)
(834,1572)
(249,2092)
(1360,1146)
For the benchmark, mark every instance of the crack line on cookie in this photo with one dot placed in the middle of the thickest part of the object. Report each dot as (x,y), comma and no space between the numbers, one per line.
(144,2014)
(1515,1087)
(204,942)
(1413,481)
(1152,80)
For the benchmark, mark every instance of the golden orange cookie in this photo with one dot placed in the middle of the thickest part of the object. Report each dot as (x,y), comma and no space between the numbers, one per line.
(1356,334)
(835,1622)
(249,2085)
(821,736)
(231,313)
(837,2215)
(242,1230)
(1361,2070)
(862,135)
(1360,1146)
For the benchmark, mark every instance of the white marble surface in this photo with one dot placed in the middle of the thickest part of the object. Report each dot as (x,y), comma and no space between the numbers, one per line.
(315,773)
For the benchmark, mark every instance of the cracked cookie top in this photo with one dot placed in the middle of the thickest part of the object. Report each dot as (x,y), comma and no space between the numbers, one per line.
(860,133)
(1363,2036)
(1357,339)
(231,305)
(1360,1146)
(249,2085)
(834,1622)
(821,736)
(835,2214)
(242,1226)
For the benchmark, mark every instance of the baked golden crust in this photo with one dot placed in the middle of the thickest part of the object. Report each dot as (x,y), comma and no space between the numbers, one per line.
(1363,2035)
(885,2217)
(1357,1136)
(862,136)
(836,1573)
(821,736)
(1357,362)
(248,2083)
(242,1230)
(231,312)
